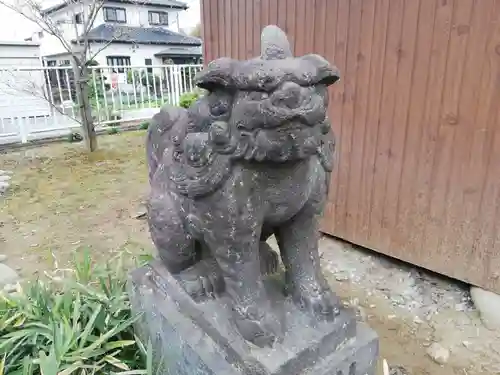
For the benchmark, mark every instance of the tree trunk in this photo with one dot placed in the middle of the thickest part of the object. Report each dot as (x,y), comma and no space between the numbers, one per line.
(82,92)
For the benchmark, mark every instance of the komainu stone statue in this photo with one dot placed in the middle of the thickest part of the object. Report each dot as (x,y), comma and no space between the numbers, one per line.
(250,159)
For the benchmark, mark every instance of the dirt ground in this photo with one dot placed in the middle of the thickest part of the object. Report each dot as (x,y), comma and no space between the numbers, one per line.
(63,200)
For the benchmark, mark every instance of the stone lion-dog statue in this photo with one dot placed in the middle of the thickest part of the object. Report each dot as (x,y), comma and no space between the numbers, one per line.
(250,159)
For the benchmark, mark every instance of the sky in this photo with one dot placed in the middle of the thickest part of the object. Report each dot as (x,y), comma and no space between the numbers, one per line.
(14,27)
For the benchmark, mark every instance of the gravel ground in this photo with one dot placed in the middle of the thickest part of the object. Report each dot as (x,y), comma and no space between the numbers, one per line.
(427,323)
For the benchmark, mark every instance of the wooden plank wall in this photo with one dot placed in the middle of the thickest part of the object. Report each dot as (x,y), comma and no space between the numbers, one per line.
(416,116)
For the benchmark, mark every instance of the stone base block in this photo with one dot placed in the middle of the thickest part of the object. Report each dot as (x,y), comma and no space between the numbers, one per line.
(191,337)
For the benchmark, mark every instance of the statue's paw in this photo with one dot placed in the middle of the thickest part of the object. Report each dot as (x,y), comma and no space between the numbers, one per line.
(201,286)
(320,302)
(258,324)
(204,279)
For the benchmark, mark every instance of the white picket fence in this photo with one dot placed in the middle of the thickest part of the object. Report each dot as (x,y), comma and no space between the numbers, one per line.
(41,102)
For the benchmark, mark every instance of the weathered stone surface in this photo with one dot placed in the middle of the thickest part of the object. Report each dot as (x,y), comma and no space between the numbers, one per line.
(7,275)
(488,304)
(249,160)
(198,337)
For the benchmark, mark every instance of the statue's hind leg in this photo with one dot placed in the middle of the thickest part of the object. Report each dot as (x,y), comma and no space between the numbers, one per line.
(176,247)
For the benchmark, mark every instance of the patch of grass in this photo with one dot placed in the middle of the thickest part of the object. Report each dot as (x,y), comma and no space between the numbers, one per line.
(81,324)
(62,196)
(144,125)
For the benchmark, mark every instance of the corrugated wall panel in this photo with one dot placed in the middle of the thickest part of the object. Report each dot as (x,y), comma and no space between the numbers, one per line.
(416,117)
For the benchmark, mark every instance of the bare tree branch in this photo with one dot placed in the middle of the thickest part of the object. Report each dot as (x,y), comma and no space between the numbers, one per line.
(45,23)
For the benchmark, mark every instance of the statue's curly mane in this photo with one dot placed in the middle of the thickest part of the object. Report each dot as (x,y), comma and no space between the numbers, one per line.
(270,109)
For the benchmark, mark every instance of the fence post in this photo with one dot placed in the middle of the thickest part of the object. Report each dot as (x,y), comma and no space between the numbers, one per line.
(22,130)
(172,87)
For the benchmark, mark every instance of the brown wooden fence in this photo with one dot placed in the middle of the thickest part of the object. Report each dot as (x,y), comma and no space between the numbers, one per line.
(416,116)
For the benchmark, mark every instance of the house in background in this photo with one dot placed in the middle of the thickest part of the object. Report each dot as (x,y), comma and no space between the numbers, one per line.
(143,32)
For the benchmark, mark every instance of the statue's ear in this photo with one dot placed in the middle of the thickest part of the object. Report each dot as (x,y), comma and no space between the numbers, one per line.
(326,73)
(218,74)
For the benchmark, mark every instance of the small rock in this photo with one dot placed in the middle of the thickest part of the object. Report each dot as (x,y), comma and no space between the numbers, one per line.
(341,277)
(7,275)
(3,257)
(398,300)
(461,306)
(488,304)
(438,353)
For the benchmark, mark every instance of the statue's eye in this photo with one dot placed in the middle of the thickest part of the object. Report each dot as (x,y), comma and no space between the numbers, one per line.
(219,108)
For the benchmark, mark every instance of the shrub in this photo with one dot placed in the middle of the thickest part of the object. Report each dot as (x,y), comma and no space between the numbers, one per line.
(188,98)
(148,80)
(113,130)
(82,324)
(144,125)
(96,89)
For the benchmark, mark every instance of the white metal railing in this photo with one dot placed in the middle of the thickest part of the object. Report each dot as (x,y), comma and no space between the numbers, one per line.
(41,102)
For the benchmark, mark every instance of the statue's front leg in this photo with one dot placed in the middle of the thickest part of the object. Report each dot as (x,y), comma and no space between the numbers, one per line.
(298,242)
(234,242)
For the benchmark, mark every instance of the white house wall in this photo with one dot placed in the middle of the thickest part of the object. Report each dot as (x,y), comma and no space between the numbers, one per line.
(51,45)
(137,15)
(22,92)
(137,52)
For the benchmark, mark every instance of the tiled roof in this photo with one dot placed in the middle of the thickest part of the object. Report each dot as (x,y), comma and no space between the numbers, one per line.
(140,35)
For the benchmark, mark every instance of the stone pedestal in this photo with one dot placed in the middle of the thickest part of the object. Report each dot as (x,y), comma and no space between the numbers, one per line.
(198,337)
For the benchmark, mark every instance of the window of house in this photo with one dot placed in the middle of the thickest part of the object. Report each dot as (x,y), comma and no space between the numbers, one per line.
(64,62)
(119,62)
(79,18)
(148,62)
(115,15)
(40,34)
(158,18)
